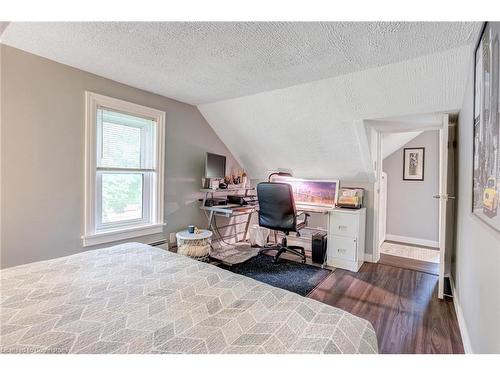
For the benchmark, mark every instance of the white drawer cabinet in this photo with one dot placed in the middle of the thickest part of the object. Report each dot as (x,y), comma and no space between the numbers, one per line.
(343,224)
(343,248)
(346,238)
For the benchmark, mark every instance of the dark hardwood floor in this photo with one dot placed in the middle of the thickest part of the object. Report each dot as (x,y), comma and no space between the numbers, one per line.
(408,263)
(401,304)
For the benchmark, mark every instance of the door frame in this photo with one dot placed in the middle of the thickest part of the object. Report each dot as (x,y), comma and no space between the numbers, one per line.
(383,209)
(376,143)
(443,199)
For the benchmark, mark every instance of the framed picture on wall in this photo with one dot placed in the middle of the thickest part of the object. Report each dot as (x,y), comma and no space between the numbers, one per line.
(486,159)
(413,164)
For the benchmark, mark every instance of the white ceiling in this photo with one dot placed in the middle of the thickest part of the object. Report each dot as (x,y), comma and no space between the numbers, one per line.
(420,121)
(293,96)
(391,142)
(317,129)
(207,62)
(3,26)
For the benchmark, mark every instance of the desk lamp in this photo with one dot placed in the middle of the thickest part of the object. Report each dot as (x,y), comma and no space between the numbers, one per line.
(281,174)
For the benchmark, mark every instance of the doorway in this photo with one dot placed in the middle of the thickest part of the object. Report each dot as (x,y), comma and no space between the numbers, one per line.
(411,221)
(409,180)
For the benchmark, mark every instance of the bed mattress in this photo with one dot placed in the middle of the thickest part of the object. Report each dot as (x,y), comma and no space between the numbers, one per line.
(134,298)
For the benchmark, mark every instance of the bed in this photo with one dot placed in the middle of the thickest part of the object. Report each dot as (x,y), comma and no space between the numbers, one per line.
(134,298)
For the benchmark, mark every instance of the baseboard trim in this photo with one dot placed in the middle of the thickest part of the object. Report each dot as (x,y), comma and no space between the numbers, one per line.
(162,244)
(411,240)
(464,332)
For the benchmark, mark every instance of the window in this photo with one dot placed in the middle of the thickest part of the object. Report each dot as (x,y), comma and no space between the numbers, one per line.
(124,170)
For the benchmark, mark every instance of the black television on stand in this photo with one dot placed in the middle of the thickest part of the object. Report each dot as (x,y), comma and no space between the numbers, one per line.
(215,170)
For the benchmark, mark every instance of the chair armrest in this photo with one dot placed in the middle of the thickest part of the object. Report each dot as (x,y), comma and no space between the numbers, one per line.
(303,223)
(303,213)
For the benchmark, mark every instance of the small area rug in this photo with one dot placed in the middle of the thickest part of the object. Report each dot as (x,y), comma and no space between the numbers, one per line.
(293,276)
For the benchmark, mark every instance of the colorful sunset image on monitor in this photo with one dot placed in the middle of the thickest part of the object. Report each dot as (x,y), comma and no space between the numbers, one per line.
(312,192)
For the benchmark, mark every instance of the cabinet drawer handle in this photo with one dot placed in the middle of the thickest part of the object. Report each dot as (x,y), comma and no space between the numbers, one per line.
(343,227)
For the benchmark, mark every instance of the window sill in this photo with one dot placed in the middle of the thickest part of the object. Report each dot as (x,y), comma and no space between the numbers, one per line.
(121,234)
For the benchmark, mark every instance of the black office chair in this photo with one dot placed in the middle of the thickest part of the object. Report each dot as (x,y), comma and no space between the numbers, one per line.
(277,212)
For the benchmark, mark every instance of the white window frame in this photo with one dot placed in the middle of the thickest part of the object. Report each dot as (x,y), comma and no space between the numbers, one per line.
(152,222)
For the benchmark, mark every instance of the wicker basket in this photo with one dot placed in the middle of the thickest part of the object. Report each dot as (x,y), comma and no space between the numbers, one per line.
(194,245)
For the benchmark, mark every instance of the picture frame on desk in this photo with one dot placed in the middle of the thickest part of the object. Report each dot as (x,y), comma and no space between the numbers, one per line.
(210,183)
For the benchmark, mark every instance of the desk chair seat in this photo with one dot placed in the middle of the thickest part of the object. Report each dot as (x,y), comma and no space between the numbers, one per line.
(277,211)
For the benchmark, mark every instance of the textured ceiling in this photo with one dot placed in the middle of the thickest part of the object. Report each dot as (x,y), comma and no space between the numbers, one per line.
(206,62)
(279,95)
(317,129)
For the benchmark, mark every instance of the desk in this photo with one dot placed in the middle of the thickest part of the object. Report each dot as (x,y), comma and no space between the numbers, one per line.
(318,222)
(345,228)
(228,210)
(314,209)
(233,210)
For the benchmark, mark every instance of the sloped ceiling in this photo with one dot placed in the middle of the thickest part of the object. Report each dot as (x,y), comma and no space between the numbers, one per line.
(280,95)
(314,128)
(3,26)
(203,62)
(391,142)
(399,130)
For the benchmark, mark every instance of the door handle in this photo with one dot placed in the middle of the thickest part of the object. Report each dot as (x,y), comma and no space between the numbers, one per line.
(445,197)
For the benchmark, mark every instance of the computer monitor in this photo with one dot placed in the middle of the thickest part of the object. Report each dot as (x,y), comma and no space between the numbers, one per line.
(215,166)
(307,192)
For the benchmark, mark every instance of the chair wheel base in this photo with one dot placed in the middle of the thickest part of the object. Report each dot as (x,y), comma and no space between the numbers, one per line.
(284,248)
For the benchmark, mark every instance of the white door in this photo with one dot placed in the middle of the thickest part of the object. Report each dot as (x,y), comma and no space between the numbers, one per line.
(450,206)
(382,225)
(443,199)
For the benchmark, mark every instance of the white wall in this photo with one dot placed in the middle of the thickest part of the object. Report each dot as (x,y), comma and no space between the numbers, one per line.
(476,268)
(391,142)
(312,128)
(411,210)
(42,156)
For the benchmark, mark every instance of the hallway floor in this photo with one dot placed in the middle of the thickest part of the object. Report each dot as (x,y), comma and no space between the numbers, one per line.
(425,254)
